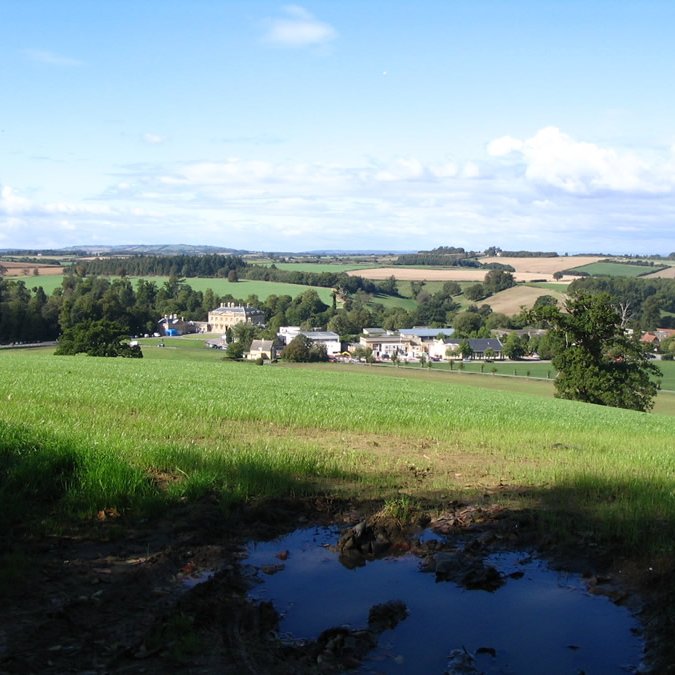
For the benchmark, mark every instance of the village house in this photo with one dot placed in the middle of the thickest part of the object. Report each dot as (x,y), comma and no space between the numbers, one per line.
(386,345)
(262,349)
(229,315)
(650,340)
(478,346)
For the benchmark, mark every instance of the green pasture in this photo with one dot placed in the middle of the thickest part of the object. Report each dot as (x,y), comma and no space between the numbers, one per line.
(49,283)
(617,269)
(239,289)
(80,434)
(548,285)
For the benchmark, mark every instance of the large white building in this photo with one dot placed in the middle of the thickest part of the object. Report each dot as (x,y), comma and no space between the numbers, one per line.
(229,315)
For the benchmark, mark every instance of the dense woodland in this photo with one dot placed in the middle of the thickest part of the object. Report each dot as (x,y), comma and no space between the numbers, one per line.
(643,301)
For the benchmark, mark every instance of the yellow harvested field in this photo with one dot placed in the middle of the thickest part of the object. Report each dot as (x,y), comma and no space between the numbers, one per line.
(663,274)
(458,274)
(513,299)
(20,269)
(544,265)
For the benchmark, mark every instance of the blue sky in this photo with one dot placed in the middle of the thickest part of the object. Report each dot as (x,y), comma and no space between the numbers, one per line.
(348,124)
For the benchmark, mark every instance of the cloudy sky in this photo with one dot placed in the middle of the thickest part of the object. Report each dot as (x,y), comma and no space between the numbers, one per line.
(347,124)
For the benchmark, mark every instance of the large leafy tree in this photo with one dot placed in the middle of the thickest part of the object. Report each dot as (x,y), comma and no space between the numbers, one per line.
(597,360)
(97,338)
(302,349)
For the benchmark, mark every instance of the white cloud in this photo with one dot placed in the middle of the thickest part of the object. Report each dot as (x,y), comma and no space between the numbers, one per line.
(537,197)
(471,170)
(50,58)
(500,147)
(153,139)
(298,28)
(553,158)
(11,203)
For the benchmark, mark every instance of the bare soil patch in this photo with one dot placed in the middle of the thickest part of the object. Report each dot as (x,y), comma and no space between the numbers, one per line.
(543,265)
(668,273)
(169,595)
(20,269)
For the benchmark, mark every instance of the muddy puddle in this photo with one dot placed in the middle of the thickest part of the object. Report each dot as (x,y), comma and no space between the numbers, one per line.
(533,620)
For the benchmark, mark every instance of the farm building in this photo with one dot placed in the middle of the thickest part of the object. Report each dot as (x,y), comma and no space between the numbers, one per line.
(229,315)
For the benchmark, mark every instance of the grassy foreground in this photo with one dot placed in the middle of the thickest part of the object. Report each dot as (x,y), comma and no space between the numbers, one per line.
(79,435)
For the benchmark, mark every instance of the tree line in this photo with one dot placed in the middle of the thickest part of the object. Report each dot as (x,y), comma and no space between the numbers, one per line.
(225,266)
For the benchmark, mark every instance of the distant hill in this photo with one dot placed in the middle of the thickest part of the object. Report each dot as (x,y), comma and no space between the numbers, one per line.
(353,252)
(154,249)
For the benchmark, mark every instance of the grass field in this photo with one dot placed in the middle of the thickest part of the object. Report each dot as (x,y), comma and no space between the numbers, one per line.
(615,269)
(80,434)
(240,289)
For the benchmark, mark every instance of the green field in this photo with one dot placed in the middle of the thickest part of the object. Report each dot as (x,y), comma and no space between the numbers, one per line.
(617,269)
(241,289)
(550,286)
(79,434)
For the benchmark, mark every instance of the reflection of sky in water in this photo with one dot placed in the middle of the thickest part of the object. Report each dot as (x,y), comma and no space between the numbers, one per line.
(544,622)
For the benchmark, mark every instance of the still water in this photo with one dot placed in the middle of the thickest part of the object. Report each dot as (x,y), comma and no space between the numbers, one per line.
(541,622)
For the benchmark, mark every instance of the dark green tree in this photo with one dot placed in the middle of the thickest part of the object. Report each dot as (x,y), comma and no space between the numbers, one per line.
(498,280)
(597,360)
(96,338)
(513,347)
(303,350)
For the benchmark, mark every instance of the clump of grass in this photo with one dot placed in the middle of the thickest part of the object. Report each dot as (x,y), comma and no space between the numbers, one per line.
(400,509)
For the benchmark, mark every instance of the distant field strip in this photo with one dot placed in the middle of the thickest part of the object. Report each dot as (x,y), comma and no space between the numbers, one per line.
(543,265)
(615,269)
(445,274)
(667,273)
(239,289)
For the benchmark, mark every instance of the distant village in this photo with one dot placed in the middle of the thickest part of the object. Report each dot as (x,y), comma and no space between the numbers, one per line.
(405,345)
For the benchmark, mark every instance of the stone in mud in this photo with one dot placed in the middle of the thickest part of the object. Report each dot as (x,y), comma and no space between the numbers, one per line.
(471,573)
(362,542)
(386,615)
(340,648)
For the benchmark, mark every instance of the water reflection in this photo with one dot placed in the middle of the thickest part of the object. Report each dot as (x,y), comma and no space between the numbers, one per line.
(540,621)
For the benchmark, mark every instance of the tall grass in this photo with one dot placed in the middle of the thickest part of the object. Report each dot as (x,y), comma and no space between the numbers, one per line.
(135,434)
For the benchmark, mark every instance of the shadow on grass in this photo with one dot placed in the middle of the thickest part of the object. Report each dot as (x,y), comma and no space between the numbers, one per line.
(633,516)
(46,479)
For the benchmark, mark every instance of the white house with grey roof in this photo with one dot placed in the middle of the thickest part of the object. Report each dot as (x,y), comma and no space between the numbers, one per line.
(478,345)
